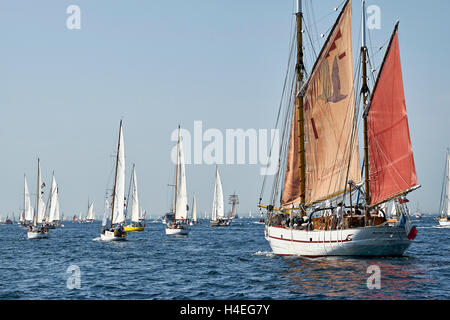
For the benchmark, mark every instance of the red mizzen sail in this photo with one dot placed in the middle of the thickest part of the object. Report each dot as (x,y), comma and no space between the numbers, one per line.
(392,168)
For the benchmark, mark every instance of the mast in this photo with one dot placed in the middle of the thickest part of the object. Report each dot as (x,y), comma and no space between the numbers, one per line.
(176,177)
(115,177)
(38,193)
(365,95)
(24,196)
(301,119)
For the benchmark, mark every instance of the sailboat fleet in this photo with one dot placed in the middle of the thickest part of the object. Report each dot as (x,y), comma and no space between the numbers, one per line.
(325,201)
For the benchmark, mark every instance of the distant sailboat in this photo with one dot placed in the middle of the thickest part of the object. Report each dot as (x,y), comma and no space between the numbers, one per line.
(135,224)
(54,219)
(27,216)
(90,217)
(445,195)
(179,226)
(115,230)
(37,231)
(194,220)
(234,201)
(217,214)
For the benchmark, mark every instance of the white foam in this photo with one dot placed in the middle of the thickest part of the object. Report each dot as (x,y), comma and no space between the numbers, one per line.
(263,253)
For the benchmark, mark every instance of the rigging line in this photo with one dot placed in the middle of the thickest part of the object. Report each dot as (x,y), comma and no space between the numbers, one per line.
(314,21)
(285,143)
(310,17)
(285,140)
(280,108)
(311,43)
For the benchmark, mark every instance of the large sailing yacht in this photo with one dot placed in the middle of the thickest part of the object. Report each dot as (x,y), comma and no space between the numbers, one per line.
(323,207)
(115,231)
(444,219)
(179,226)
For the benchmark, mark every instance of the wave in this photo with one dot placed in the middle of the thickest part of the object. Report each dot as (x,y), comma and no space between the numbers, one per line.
(264,253)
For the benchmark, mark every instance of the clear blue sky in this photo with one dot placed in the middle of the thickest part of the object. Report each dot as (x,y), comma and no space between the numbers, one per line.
(156,64)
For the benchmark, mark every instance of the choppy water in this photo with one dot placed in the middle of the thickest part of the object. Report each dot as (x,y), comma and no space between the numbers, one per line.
(211,263)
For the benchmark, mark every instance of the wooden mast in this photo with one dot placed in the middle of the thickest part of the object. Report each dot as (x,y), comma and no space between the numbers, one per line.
(115,177)
(301,119)
(365,96)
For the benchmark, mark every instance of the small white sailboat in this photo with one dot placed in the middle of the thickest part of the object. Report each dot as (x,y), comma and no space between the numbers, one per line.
(217,214)
(194,220)
(115,231)
(27,216)
(53,212)
(444,219)
(179,225)
(135,224)
(35,230)
(90,213)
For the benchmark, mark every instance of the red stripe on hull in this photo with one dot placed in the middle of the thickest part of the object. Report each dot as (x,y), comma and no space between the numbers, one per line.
(301,241)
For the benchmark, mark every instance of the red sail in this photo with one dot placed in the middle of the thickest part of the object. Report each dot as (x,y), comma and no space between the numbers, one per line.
(392,168)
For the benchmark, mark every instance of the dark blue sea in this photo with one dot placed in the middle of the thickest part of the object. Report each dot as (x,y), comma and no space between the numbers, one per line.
(211,263)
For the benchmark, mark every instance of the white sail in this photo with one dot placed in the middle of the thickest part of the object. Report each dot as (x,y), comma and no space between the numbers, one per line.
(53,201)
(447,175)
(181,194)
(90,213)
(134,199)
(119,191)
(57,215)
(27,202)
(194,209)
(218,207)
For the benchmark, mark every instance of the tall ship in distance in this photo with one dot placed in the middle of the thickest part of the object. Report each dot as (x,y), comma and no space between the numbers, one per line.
(233,199)
(325,201)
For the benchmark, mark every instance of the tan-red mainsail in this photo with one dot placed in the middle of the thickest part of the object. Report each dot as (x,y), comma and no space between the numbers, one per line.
(329,113)
(392,168)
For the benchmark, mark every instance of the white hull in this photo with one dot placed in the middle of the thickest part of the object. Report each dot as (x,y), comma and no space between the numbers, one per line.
(109,236)
(444,223)
(175,232)
(369,241)
(37,235)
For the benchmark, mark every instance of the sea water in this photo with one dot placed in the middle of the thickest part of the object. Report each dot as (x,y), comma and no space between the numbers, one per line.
(233,262)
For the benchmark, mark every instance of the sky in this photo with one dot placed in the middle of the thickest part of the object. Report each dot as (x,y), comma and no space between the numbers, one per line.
(156,64)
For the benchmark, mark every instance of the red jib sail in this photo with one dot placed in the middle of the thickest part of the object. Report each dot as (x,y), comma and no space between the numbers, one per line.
(392,168)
